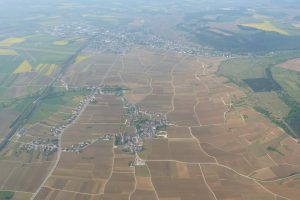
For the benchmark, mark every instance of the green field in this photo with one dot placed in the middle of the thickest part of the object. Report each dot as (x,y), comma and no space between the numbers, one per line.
(244,68)
(252,67)
(289,80)
(17,105)
(8,64)
(271,102)
(54,103)
(281,107)
(6,195)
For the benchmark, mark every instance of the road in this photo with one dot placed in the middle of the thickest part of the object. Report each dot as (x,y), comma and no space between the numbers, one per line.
(59,151)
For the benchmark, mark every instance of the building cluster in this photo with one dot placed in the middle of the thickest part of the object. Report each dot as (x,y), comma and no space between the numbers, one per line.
(46,146)
(137,162)
(146,124)
(77,148)
(49,146)
(102,90)
(130,143)
(70,30)
(122,40)
(75,113)
(111,41)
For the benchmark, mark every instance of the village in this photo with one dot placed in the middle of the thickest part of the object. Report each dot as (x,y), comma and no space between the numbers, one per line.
(146,124)
(82,145)
(121,40)
(48,147)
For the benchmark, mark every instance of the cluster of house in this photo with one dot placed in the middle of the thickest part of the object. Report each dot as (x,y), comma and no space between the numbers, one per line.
(70,29)
(46,146)
(121,40)
(137,162)
(130,143)
(147,124)
(77,148)
(150,128)
(75,112)
(102,90)
(110,41)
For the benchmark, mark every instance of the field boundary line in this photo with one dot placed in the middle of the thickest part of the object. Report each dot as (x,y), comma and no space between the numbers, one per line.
(207,185)
(152,182)
(135,184)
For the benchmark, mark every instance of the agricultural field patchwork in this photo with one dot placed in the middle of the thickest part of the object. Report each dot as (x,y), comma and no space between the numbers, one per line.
(229,145)
(212,136)
(46,69)
(151,100)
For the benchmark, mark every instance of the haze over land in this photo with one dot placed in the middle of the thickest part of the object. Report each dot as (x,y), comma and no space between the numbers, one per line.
(152,100)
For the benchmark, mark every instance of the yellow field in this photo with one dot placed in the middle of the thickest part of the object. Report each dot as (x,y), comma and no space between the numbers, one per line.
(80,58)
(40,67)
(109,18)
(23,67)
(11,41)
(51,69)
(8,52)
(266,26)
(258,16)
(61,42)
(46,69)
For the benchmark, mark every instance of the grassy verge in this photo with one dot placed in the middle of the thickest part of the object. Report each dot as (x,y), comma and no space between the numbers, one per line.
(6,195)
(279,122)
(289,80)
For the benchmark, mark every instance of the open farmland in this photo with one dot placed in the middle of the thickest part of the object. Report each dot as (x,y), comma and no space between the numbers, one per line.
(99,165)
(203,152)
(293,64)
(26,160)
(149,100)
(289,80)
(209,148)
